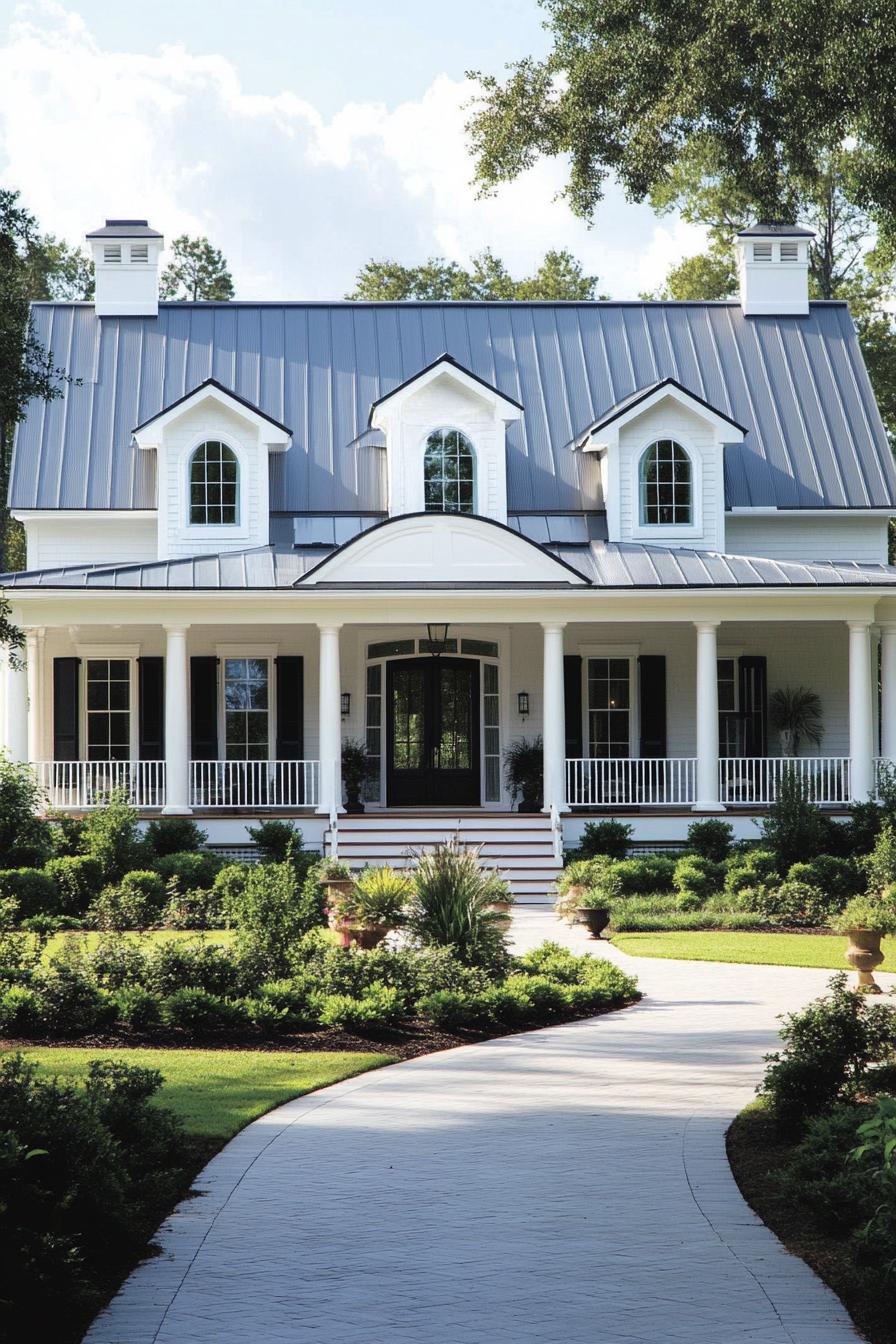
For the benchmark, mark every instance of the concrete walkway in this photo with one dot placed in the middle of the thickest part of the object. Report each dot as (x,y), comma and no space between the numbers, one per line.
(568,1186)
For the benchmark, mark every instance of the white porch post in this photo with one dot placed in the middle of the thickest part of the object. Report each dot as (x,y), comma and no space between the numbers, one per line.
(177,723)
(34,653)
(861,719)
(329,721)
(15,710)
(554,725)
(707,719)
(888,691)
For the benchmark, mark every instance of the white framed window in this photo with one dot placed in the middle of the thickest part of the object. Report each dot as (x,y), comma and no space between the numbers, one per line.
(214,476)
(609,702)
(247,708)
(449,473)
(665,485)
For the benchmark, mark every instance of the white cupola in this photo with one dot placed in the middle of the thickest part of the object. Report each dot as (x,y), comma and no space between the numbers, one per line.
(126,264)
(773,270)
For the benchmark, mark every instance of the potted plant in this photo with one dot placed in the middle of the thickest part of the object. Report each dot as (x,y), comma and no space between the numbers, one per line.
(357,768)
(373,906)
(865,921)
(501,896)
(524,773)
(335,876)
(594,912)
(795,714)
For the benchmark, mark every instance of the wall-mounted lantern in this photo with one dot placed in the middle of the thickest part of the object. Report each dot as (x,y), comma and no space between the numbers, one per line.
(522,704)
(346,698)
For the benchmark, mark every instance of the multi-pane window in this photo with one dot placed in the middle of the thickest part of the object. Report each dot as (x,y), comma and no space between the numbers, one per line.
(665,484)
(729,723)
(448,473)
(108,709)
(492,738)
(214,481)
(246,709)
(609,707)
(374,730)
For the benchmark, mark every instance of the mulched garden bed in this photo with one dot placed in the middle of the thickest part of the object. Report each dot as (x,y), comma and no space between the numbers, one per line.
(757,1156)
(411,1039)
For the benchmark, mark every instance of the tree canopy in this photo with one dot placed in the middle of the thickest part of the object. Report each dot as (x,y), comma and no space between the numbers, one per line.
(560,276)
(196,271)
(764,87)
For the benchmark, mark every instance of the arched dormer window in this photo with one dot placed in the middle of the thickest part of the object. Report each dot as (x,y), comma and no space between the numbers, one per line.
(449,473)
(214,485)
(666,485)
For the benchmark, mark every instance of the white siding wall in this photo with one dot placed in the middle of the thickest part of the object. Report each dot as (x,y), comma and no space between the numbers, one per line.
(667,420)
(91,539)
(834,537)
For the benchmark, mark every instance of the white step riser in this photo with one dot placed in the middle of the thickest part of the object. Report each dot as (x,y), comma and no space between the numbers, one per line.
(381,849)
(436,834)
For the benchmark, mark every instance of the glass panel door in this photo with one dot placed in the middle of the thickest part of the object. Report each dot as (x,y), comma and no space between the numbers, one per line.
(433,732)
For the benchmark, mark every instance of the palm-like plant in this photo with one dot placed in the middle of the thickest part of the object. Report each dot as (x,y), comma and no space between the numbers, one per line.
(453,903)
(795,711)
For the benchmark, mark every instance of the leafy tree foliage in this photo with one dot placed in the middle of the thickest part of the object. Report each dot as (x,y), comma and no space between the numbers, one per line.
(560,276)
(764,86)
(197,271)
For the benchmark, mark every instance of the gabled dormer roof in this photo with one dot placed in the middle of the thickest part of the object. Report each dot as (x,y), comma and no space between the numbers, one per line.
(644,397)
(444,364)
(216,391)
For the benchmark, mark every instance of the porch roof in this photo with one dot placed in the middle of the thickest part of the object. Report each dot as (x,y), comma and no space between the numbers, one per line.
(602,564)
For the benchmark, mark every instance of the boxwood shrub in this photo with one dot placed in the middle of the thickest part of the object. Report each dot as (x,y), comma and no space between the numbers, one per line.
(188,869)
(78,879)
(33,891)
(195,1010)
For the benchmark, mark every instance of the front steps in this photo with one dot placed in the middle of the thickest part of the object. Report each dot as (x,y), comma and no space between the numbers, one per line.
(519,845)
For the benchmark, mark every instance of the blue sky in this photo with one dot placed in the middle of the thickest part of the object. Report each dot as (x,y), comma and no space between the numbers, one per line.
(302,138)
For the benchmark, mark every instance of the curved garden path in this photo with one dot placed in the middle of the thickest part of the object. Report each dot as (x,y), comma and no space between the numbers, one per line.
(566,1185)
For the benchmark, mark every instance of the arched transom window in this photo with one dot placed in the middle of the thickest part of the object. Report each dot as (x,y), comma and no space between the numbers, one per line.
(214,484)
(449,473)
(666,484)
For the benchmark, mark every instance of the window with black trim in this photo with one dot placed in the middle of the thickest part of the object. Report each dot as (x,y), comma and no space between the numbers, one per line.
(108,709)
(246,721)
(609,707)
(665,480)
(449,473)
(214,485)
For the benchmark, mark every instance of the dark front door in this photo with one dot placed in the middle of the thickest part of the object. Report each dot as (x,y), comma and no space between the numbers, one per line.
(433,729)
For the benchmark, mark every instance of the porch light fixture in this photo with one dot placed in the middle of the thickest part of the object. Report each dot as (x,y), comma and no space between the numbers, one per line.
(437,638)
(522,703)
(346,699)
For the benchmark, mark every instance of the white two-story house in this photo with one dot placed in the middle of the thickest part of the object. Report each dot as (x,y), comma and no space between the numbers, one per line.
(256,529)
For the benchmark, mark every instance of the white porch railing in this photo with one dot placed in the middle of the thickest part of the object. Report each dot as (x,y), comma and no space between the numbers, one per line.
(757,779)
(631,781)
(254,783)
(82,784)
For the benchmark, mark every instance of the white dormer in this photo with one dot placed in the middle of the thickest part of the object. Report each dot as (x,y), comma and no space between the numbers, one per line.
(212,463)
(126,265)
(773,270)
(663,467)
(445,432)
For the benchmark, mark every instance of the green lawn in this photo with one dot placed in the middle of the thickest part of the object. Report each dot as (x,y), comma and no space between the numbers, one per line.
(767,949)
(90,938)
(217,1092)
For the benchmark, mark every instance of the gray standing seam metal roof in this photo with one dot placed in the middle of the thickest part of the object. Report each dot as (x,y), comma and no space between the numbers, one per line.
(799,385)
(604,564)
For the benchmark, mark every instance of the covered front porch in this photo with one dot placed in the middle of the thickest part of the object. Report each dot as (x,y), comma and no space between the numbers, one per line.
(230,717)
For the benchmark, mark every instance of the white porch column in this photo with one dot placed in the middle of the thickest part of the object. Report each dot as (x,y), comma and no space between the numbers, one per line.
(888,691)
(34,653)
(15,709)
(861,719)
(554,720)
(177,723)
(329,721)
(707,719)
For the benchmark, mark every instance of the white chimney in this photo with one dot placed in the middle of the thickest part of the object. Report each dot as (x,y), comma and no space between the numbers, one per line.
(126,262)
(773,270)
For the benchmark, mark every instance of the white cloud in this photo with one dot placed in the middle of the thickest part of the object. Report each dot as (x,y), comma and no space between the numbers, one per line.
(296,202)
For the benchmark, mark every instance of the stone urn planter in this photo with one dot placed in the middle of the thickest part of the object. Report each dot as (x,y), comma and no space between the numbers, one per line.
(573,894)
(596,917)
(864,954)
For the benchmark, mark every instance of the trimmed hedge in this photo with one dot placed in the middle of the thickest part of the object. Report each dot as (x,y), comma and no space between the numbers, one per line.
(33,891)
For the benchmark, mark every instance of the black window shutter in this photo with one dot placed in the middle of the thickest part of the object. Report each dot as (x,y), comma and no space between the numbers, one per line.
(752,673)
(151,701)
(66,743)
(204,709)
(290,708)
(572,704)
(652,704)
